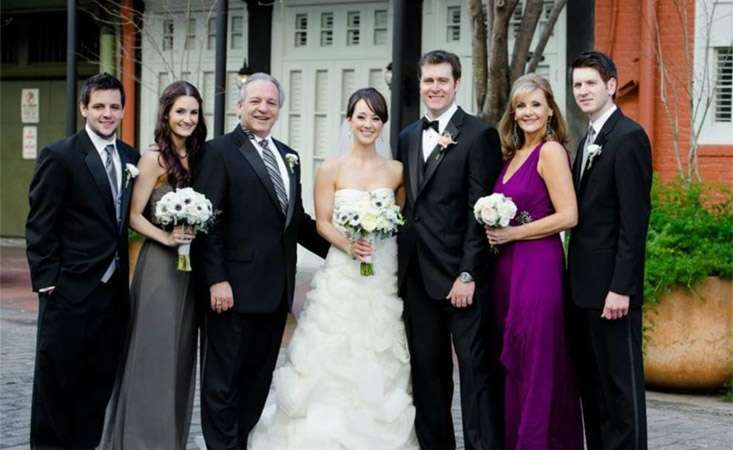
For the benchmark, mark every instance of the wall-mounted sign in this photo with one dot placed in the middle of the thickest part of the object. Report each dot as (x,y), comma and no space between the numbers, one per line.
(29,106)
(30,142)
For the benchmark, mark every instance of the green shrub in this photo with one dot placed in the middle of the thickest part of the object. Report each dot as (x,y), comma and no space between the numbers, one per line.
(690,236)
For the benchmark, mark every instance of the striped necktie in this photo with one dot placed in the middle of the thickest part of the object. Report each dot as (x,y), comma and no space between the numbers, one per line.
(588,141)
(109,166)
(272,168)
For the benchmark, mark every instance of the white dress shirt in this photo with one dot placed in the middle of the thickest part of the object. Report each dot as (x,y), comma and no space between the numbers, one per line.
(430,136)
(99,143)
(284,174)
(598,124)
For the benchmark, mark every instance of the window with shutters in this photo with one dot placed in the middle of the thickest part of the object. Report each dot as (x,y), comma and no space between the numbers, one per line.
(724,85)
(380,27)
(168,29)
(454,24)
(236,37)
(326,29)
(191,34)
(353,24)
(301,30)
(211,34)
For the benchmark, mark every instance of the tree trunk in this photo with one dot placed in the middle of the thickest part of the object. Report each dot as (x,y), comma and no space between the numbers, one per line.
(498,73)
(478,50)
(520,55)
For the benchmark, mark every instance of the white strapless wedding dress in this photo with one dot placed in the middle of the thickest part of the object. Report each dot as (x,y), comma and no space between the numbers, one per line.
(345,383)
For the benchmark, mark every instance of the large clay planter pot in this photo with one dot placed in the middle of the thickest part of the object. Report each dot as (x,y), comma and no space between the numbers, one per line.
(689,337)
(134,247)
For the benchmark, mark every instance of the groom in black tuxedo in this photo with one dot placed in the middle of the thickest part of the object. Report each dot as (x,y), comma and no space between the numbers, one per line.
(450,159)
(248,261)
(613,176)
(76,236)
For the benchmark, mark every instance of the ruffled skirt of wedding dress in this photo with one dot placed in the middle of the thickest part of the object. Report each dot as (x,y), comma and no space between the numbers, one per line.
(345,383)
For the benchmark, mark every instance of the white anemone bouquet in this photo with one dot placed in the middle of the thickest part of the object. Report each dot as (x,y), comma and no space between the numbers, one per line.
(497,210)
(375,217)
(185,207)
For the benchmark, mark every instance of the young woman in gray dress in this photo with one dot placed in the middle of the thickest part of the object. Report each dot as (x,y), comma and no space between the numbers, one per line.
(152,401)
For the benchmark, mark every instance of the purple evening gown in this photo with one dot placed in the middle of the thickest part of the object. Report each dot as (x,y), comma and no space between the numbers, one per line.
(542,409)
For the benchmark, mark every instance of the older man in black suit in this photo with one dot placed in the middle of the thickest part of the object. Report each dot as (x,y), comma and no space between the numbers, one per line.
(613,176)
(76,237)
(248,262)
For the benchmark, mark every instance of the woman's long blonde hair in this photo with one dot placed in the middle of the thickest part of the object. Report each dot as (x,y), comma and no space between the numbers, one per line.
(512,137)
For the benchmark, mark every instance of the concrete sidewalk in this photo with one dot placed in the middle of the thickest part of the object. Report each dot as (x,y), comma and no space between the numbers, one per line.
(676,422)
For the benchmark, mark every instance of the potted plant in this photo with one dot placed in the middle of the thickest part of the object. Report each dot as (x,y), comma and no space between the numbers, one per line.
(688,323)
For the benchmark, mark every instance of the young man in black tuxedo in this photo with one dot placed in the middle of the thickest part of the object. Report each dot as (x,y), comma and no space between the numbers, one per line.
(613,175)
(450,159)
(248,261)
(76,236)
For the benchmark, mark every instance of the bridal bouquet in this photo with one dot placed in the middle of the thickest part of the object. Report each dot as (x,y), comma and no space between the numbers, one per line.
(375,217)
(185,207)
(498,210)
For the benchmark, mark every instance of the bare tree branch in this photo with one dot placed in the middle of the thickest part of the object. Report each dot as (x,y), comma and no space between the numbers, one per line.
(545,36)
(497,89)
(530,19)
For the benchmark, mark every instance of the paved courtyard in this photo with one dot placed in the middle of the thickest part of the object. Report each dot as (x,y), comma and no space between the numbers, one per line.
(676,422)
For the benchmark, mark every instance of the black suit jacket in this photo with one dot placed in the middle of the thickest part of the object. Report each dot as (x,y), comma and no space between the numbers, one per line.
(253,244)
(440,228)
(607,247)
(71,231)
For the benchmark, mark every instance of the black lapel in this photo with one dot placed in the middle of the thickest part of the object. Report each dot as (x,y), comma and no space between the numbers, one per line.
(414,155)
(436,157)
(578,162)
(245,147)
(126,185)
(96,168)
(292,180)
(601,140)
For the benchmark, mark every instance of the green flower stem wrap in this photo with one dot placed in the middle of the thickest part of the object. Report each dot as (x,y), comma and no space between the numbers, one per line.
(367,269)
(184,258)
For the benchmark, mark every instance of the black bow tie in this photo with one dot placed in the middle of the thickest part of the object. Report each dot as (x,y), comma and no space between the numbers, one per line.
(430,124)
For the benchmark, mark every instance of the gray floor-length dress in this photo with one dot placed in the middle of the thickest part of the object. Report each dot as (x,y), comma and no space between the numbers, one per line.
(152,400)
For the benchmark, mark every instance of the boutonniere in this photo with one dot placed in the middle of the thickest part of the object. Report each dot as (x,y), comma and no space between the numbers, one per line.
(131,172)
(445,140)
(292,161)
(594,150)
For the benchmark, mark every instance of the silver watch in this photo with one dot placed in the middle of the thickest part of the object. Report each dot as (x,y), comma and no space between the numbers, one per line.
(465,277)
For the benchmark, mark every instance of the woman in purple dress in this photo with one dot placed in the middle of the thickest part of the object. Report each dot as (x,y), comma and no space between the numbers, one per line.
(542,409)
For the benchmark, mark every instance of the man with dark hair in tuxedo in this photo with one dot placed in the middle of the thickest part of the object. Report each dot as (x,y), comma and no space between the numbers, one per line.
(450,160)
(613,176)
(76,236)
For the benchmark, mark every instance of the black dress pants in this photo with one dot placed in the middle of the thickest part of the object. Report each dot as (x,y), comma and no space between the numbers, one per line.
(240,353)
(78,349)
(430,324)
(609,365)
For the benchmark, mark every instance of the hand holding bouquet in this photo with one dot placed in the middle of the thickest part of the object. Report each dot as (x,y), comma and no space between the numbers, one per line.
(497,211)
(188,208)
(376,217)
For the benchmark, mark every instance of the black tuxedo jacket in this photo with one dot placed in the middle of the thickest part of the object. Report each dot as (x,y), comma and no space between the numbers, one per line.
(253,244)
(440,229)
(607,247)
(71,232)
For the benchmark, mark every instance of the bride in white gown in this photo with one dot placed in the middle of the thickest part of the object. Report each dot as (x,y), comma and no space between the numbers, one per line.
(345,384)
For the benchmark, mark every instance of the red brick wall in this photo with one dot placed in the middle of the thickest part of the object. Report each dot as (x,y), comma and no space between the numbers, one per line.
(618,32)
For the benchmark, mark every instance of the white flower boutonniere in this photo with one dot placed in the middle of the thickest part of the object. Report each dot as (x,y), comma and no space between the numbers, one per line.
(594,150)
(292,161)
(131,172)
(445,140)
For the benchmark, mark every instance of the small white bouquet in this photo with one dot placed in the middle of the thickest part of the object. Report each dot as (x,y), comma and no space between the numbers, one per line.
(375,217)
(498,210)
(188,208)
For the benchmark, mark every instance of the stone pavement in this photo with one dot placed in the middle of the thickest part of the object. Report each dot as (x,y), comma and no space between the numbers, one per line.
(676,422)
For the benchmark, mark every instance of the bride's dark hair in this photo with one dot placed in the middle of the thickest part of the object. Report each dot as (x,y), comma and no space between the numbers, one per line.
(374,100)
(178,176)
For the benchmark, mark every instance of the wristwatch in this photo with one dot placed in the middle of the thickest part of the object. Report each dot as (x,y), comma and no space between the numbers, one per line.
(465,277)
